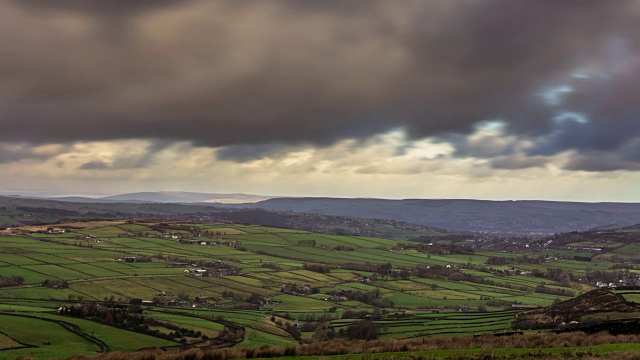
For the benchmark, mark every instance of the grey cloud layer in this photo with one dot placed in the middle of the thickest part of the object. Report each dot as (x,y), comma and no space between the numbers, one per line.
(254,73)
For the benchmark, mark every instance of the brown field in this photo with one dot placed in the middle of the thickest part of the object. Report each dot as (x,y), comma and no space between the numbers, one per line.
(410,349)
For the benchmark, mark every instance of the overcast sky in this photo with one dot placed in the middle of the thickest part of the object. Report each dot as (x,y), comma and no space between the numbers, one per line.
(489,99)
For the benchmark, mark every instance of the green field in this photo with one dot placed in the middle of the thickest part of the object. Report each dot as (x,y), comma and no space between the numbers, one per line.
(49,338)
(258,283)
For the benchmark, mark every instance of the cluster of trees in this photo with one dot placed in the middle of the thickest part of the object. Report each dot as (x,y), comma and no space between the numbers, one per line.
(453,238)
(554,291)
(128,317)
(351,314)
(319,268)
(177,333)
(361,267)
(524,259)
(82,244)
(231,295)
(363,330)
(582,258)
(498,260)
(433,271)
(271,265)
(312,318)
(48,211)
(501,303)
(293,329)
(116,315)
(370,297)
(323,333)
(555,274)
(604,276)
(11,281)
(443,249)
(378,270)
(625,266)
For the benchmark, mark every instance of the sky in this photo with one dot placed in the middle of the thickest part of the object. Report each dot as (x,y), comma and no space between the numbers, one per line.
(487,99)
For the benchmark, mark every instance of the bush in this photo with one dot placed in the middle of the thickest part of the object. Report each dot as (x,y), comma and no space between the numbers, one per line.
(307,327)
(363,329)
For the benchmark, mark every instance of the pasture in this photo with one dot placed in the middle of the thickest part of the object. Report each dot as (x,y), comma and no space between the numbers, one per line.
(261,280)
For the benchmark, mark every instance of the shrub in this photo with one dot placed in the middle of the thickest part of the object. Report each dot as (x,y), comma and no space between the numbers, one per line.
(363,329)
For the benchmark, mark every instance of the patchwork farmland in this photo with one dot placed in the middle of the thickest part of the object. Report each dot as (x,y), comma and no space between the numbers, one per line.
(102,286)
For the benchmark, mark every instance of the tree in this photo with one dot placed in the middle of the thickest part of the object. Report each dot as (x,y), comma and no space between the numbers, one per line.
(323,333)
(363,329)
(384,269)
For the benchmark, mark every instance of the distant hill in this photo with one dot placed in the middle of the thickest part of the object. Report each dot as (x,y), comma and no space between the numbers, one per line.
(515,217)
(78,199)
(185,197)
(18,211)
(536,218)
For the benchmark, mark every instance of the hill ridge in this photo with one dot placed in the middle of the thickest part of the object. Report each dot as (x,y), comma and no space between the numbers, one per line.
(523,217)
(594,301)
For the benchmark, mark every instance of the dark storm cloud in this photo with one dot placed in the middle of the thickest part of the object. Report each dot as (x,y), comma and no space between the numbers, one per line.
(100,8)
(631,151)
(249,73)
(483,147)
(242,153)
(113,16)
(516,162)
(600,162)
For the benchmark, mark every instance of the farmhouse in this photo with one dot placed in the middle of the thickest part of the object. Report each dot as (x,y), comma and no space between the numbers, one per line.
(602,284)
(295,289)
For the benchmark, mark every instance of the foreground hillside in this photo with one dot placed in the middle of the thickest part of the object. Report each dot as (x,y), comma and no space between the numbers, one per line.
(105,286)
(575,310)
(527,346)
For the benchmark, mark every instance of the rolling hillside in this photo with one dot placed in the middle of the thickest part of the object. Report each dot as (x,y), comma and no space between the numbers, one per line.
(87,287)
(516,217)
(497,217)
